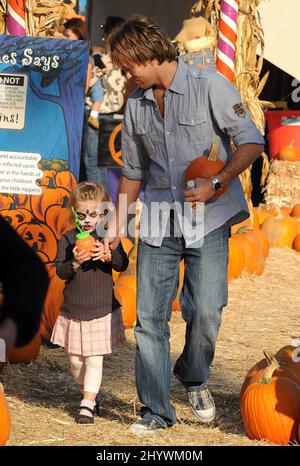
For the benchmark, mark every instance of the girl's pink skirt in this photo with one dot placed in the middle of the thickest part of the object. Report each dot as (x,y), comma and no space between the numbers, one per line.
(89,337)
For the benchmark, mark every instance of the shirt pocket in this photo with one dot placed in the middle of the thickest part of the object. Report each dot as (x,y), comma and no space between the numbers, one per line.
(147,135)
(193,127)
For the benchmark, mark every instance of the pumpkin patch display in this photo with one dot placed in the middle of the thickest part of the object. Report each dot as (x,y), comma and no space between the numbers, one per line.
(49,196)
(295,212)
(58,219)
(15,217)
(270,407)
(6,200)
(4,418)
(40,238)
(65,179)
(206,167)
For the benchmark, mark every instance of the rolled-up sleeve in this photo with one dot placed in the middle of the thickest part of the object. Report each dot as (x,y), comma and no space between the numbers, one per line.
(134,157)
(230,115)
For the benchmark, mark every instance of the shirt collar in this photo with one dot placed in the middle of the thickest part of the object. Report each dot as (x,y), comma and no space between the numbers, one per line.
(177,85)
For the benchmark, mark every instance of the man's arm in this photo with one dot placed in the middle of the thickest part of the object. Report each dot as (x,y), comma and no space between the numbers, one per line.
(242,158)
(127,194)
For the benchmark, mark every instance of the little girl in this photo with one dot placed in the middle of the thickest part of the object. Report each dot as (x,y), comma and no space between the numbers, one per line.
(90,321)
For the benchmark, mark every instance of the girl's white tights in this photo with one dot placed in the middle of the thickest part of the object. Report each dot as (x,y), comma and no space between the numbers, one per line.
(87,372)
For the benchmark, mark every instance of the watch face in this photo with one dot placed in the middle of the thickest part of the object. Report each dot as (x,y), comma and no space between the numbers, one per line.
(217,186)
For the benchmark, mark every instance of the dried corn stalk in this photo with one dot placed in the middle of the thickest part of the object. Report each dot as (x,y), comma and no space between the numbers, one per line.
(2,16)
(45,17)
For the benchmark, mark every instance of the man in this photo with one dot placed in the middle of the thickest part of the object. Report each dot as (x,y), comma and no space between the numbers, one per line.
(175,116)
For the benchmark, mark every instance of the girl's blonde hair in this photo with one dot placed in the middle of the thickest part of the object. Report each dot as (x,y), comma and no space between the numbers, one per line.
(86,191)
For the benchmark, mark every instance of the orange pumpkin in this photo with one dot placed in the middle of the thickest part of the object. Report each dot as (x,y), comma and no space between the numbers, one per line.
(254,256)
(49,196)
(271,408)
(22,200)
(290,356)
(47,179)
(289,153)
(261,238)
(176,303)
(27,353)
(236,256)
(285,210)
(295,212)
(85,243)
(53,302)
(263,213)
(126,295)
(4,418)
(65,179)
(40,237)
(251,221)
(15,217)
(6,200)
(280,230)
(296,243)
(257,370)
(206,167)
(58,219)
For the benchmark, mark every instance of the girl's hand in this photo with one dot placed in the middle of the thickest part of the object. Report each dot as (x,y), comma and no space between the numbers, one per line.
(80,256)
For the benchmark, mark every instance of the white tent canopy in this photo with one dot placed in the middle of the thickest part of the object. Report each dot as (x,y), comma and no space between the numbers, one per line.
(280,23)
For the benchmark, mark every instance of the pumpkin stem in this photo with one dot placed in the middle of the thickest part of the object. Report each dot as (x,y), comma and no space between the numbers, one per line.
(272,366)
(213,154)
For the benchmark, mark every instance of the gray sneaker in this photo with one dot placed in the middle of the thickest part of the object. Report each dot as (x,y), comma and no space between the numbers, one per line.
(202,404)
(148,425)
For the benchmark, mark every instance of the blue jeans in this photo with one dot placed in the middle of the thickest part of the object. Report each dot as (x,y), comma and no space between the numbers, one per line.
(89,152)
(202,299)
(97,91)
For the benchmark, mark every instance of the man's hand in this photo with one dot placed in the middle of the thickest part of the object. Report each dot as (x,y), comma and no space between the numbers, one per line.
(110,242)
(99,254)
(201,193)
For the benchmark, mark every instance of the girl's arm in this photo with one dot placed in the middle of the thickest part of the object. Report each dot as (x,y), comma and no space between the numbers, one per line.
(64,259)
(119,259)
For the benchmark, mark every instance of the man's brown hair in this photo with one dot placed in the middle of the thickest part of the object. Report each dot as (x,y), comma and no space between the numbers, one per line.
(139,40)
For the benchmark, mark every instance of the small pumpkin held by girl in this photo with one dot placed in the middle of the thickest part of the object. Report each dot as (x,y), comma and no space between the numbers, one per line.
(90,321)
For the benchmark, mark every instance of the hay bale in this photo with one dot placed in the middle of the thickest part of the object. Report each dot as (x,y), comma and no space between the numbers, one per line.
(283,184)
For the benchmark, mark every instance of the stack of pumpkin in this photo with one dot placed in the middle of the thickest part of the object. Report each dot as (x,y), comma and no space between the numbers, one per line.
(281,226)
(270,398)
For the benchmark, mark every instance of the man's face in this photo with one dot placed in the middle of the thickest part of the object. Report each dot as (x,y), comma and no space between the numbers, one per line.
(143,75)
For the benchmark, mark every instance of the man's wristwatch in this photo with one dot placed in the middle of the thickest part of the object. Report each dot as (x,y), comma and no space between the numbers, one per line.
(216,184)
